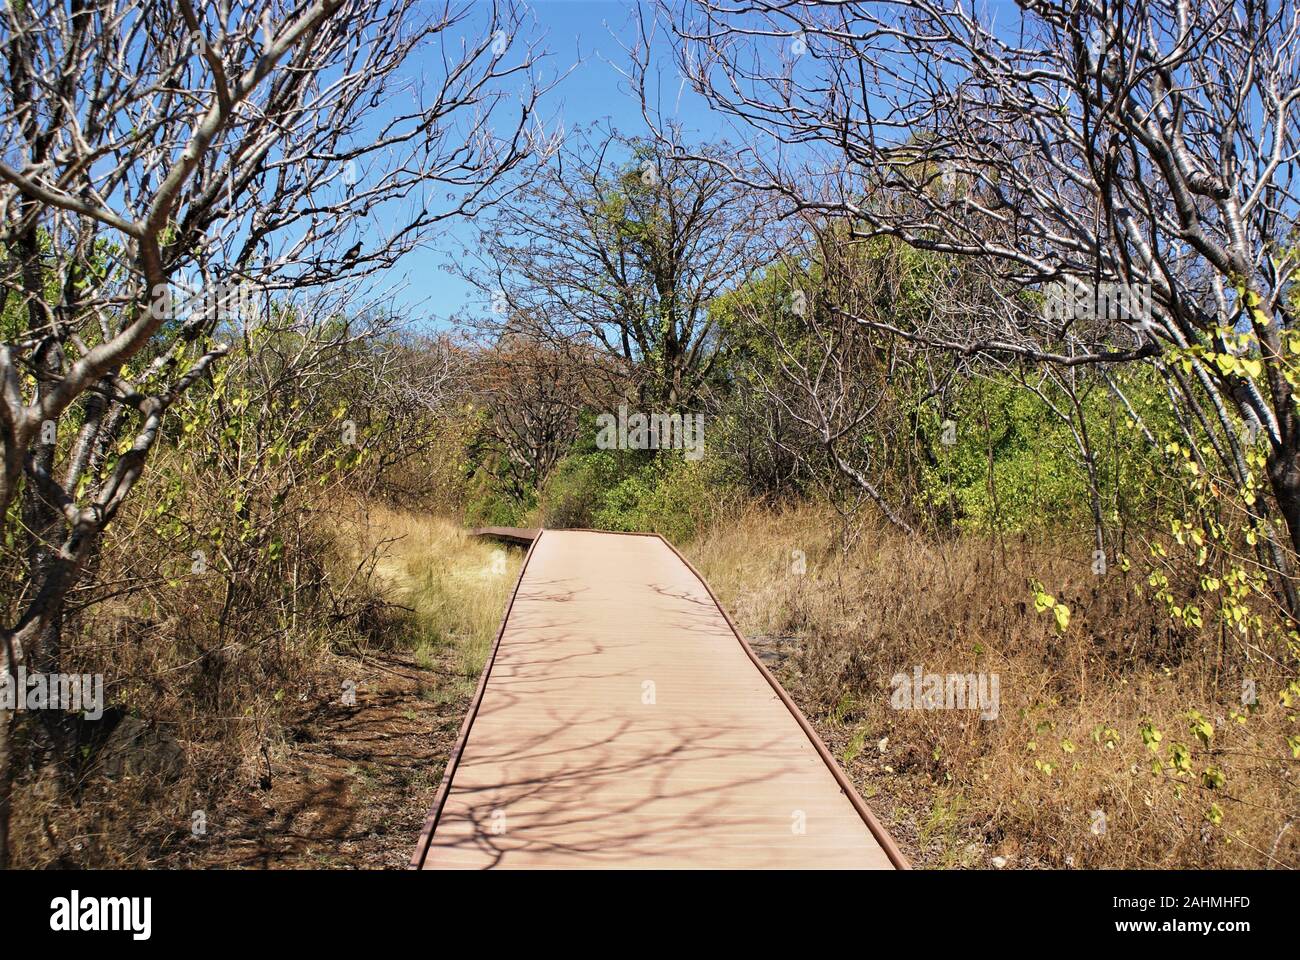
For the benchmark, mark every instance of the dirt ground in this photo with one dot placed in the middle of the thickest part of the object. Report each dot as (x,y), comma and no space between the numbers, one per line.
(353,784)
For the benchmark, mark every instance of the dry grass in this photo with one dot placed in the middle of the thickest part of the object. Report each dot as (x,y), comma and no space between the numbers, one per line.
(420,605)
(456,585)
(285,773)
(1067,742)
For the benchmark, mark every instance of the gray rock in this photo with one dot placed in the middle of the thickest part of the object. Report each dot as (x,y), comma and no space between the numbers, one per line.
(135,749)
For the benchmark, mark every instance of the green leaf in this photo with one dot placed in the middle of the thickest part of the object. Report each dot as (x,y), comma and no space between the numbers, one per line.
(1202,728)
(1180,758)
(1062,613)
(1151,736)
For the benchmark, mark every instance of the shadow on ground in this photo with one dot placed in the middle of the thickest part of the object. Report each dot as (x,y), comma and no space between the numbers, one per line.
(352,784)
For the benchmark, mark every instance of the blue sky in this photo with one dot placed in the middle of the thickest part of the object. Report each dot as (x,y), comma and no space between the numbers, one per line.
(583,37)
(586,39)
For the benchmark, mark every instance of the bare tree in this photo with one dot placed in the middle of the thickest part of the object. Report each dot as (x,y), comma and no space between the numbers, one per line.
(221,148)
(622,244)
(531,395)
(412,382)
(1141,145)
(840,387)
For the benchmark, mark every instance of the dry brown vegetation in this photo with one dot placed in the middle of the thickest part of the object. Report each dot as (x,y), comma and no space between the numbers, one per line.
(960,791)
(256,735)
(287,774)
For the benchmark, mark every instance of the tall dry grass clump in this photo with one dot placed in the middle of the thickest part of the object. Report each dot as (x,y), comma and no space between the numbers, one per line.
(455,585)
(1119,741)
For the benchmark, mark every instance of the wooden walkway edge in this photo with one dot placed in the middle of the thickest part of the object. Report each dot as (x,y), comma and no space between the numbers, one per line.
(622,720)
(519,536)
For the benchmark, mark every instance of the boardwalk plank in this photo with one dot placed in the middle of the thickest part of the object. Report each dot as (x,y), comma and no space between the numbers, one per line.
(623,724)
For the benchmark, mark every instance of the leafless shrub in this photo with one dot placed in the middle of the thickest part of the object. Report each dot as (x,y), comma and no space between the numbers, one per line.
(236,149)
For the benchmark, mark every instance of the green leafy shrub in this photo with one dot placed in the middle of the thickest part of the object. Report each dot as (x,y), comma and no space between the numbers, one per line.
(577,488)
(670,495)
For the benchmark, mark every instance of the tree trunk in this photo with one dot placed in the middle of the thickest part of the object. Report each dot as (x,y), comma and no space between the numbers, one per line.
(6,780)
(1284,476)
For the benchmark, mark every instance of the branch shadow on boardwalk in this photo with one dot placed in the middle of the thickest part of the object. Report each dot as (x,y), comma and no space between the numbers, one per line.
(623,724)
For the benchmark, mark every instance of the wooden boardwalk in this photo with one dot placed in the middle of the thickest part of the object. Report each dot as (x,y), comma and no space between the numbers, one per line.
(623,722)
